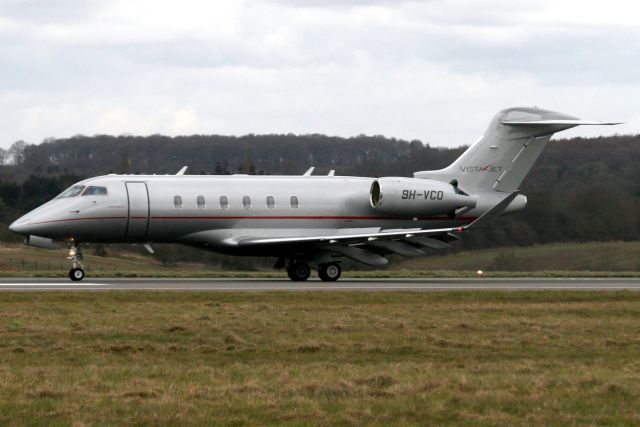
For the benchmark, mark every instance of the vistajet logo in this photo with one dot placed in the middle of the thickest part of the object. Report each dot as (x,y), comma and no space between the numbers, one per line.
(487,168)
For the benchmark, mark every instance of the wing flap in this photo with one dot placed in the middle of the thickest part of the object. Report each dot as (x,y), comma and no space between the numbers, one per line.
(396,247)
(429,242)
(358,254)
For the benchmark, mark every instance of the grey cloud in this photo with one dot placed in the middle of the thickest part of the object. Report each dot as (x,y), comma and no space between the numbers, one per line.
(48,10)
(339,3)
(403,75)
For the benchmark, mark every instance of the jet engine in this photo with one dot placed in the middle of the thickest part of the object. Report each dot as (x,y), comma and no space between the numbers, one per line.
(417,197)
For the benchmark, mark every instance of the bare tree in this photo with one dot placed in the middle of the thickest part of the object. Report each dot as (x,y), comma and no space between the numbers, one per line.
(16,152)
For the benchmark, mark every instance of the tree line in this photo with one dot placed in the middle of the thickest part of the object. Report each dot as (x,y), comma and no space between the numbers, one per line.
(580,189)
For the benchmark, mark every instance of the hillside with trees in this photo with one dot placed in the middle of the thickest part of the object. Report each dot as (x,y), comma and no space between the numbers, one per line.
(580,189)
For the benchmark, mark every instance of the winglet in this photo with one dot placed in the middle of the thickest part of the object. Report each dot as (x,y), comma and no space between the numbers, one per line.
(490,215)
(309,171)
(182,171)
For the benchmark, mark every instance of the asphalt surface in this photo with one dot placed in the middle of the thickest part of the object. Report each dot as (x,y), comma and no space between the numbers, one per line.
(261,285)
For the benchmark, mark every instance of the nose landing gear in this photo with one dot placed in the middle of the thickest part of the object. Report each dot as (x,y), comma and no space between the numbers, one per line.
(77,269)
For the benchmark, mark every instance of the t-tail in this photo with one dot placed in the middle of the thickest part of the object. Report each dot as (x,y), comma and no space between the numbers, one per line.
(501,159)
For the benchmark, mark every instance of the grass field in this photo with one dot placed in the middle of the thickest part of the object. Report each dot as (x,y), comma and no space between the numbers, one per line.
(20,259)
(560,259)
(470,358)
(593,256)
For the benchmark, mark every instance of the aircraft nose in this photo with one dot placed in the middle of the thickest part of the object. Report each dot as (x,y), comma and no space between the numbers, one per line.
(19,226)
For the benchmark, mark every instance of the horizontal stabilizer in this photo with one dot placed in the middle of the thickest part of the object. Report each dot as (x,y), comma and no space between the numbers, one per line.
(507,150)
(576,122)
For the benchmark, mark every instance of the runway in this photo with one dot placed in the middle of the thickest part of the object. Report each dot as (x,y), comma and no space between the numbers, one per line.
(264,285)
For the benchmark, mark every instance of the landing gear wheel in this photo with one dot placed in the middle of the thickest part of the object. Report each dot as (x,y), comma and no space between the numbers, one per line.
(298,271)
(329,272)
(76,274)
(75,255)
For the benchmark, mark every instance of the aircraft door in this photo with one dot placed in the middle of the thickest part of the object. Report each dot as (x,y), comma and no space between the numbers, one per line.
(138,216)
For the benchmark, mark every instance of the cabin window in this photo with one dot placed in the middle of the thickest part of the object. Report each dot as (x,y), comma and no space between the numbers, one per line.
(71,191)
(200,202)
(271,202)
(293,201)
(224,202)
(177,202)
(246,202)
(95,191)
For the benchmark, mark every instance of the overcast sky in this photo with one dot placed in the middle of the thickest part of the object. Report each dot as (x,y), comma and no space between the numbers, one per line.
(431,70)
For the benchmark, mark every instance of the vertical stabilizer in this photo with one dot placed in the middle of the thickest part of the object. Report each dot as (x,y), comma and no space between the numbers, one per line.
(504,155)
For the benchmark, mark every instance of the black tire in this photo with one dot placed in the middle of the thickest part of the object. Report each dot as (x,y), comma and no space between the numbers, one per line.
(76,274)
(329,272)
(298,271)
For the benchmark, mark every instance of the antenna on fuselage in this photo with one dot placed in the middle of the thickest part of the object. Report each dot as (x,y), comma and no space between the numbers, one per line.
(182,171)
(309,171)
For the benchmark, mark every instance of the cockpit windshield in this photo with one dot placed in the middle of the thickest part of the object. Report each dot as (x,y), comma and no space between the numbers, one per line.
(71,191)
(95,191)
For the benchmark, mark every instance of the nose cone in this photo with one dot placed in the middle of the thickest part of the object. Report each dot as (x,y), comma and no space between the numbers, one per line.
(19,226)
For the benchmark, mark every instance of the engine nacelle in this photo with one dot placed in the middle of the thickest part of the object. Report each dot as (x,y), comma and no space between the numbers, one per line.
(417,197)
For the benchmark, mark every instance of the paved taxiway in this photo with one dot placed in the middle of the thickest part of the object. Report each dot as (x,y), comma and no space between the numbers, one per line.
(249,285)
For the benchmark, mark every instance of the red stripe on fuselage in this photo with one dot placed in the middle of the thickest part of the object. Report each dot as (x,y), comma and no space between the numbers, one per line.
(314,217)
(78,219)
(306,217)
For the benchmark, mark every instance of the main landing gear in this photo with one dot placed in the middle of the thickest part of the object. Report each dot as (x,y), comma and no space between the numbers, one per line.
(329,272)
(77,269)
(299,271)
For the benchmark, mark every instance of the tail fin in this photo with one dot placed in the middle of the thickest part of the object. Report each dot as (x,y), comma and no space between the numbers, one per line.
(504,155)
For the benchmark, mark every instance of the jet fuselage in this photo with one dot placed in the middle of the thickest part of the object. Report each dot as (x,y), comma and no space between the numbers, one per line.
(169,208)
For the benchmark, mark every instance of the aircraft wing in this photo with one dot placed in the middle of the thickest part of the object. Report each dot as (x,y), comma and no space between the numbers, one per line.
(367,247)
(480,222)
(349,238)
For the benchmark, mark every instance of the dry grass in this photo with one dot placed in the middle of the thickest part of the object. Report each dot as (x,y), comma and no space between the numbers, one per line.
(475,358)
(606,259)
(593,256)
(20,259)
